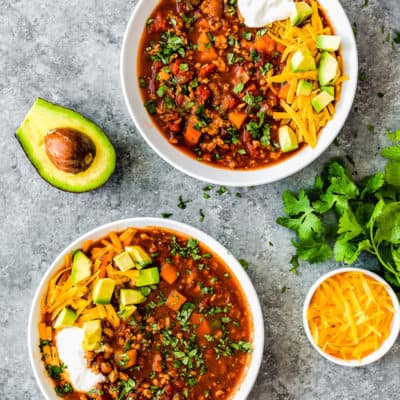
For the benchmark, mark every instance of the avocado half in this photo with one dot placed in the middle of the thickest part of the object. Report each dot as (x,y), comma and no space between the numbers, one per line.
(45,117)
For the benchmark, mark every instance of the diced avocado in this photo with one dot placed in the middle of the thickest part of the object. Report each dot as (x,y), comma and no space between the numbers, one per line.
(139,255)
(126,311)
(287,139)
(69,151)
(328,69)
(124,261)
(303,11)
(302,61)
(103,291)
(328,42)
(131,296)
(320,101)
(304,88)
(147,277)
(92,335)
(329,89)
(65,318)
(81,267)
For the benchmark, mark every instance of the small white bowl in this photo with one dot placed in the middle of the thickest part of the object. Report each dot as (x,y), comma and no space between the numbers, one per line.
(219,176)
(250,375)
(386,345)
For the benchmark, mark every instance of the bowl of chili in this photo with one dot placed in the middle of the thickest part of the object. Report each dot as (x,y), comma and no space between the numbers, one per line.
(196,332)
(220,101)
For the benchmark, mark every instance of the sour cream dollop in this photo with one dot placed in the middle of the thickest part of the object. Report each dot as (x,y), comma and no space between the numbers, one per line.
(71,353)
(258,13)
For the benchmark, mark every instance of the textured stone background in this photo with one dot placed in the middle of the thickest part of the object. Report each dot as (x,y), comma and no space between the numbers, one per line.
(68,52)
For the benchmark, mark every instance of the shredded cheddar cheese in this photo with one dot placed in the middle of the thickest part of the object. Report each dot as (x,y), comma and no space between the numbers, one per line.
(350,315)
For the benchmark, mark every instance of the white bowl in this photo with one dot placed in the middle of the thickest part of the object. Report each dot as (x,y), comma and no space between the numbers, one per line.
(386,345)
(250,375)
(219,176)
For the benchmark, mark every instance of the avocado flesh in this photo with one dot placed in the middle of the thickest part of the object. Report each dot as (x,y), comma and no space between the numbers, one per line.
(303,12)
(304,88)
(302,61)
(320,101)
(124,261)
(92,333)
(103,291)
(147,277)
(126,311)
(328,69)
(131,296)
(328,42)
(44,117)
(65,318)
(287,139)
(139,256)
(81,267)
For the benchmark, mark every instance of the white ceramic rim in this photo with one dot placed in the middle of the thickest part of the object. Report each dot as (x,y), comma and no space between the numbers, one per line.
(218,176)
(387,344)
(250,375)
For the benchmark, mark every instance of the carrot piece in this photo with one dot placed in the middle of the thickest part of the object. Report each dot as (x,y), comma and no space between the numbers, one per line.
(203,328)
(156,365)
(206,50)
(237,118)
(280,47)
(284,91)
(126,359)
(192,135)
(169,273)
(265,44)
(175,300)
(116,242)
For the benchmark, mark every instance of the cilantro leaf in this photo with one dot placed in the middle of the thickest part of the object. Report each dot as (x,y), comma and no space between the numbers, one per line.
(373,184)
(392,173)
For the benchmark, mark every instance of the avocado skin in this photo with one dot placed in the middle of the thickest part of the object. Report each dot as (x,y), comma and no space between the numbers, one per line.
(113,157)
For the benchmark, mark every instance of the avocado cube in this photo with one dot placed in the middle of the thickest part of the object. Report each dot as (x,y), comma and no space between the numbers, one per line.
(92,334)
(139,256)
(103,291)
(147,277)
(329,89)
(304,88)
(302,61)
(320,101)
(131,296)
(302,13)
(65,318)
(328,69)
(124,261)
(125,312)
(81,267)
(328,42)
(287,139)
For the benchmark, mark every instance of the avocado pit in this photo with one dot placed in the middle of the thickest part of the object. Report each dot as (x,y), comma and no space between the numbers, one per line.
(69,149)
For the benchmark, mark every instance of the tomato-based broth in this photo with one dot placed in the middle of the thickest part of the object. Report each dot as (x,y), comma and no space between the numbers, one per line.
(160,317)
(232,96)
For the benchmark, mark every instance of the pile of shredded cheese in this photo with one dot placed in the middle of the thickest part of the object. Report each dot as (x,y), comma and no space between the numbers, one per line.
(350,315)
(61,293)
(299,113)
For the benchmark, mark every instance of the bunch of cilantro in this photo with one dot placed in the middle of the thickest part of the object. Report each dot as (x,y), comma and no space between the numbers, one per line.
(343,218)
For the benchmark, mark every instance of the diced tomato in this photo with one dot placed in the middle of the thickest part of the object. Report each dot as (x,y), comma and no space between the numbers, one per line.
(179,99)
(175,127)
(203,93)
(159,24)
(206,70)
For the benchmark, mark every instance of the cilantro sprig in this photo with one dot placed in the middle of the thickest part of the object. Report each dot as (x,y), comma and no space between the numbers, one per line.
(343,218)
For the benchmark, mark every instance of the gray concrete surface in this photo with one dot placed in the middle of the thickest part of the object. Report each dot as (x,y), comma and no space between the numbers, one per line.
(68,52)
